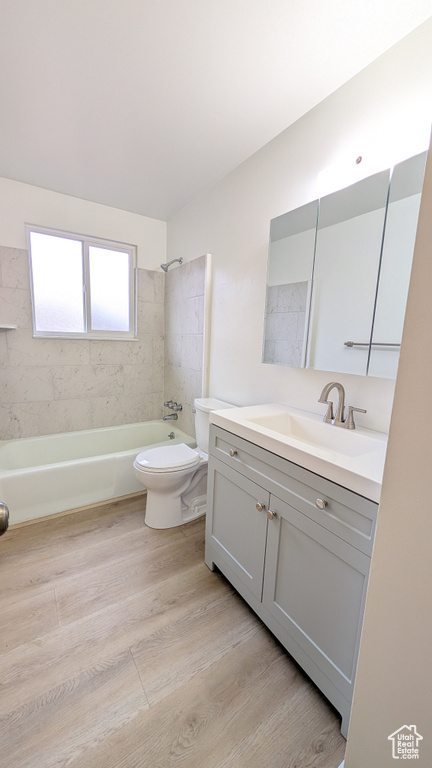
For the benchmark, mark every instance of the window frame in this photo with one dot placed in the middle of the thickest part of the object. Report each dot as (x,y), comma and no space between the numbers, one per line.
(87,241)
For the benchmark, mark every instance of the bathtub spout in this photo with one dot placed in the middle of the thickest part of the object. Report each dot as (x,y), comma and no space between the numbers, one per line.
(171,417)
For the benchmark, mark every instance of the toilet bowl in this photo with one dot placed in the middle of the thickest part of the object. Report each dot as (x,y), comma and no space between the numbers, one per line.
(175,476)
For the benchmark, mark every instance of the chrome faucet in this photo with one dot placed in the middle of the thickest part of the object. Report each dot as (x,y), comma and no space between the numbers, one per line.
(339,419)
(170,417)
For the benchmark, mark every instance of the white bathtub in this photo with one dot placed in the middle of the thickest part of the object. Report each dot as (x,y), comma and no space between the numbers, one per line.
(43,475)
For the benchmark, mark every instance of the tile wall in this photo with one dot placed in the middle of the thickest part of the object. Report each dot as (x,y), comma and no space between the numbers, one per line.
(58,385)
(285,324)
(184,325)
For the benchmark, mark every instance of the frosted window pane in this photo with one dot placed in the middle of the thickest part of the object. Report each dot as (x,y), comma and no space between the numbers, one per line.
(109,281)
(57,268)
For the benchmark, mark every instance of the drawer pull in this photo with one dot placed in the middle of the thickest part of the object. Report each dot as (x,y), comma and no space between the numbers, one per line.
(320,504)
(232,452)
(260,506)
(271,514)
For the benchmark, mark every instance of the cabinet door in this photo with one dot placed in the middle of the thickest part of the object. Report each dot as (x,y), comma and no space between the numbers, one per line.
(315,586)
(236,529)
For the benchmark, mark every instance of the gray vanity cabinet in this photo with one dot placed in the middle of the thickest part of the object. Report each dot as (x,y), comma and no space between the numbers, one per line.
(238,528)
(297,548)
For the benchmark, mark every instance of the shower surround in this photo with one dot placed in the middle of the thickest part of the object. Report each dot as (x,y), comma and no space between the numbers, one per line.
(61,385)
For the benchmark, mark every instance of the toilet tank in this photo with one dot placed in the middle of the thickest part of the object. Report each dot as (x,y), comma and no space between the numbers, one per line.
(203,406)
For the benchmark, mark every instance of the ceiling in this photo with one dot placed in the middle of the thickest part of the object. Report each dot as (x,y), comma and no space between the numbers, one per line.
(143,104)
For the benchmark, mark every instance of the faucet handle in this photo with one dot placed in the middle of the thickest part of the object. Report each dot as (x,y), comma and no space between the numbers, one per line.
(350,424)
(329,416)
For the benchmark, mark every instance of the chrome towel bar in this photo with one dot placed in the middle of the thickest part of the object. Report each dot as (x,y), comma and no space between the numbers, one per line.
(367,344)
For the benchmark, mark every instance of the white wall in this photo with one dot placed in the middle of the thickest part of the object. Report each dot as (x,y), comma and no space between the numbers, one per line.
(23,203)
(394,678)
(383,114)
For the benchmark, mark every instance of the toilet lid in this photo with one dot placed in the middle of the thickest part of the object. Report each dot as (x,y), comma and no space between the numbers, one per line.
(168,458)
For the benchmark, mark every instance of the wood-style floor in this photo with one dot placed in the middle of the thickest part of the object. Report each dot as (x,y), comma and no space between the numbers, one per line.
(120,649)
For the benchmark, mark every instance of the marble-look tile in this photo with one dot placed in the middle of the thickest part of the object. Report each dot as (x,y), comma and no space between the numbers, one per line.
(281,326)
(272,299)
(150,318)
(182,385)
(86,381)
(3,347)
(9,427)
(192,351)
(186,281)
(151,286)
(288,353)
(119,352)
(173,351)
(14,268)
(23,349)
(46,418)
(292,297)
(268,351)
(15,307)
(142,379)
(158,355)
(122,409)
(26,383)
(186,420)
(185,316)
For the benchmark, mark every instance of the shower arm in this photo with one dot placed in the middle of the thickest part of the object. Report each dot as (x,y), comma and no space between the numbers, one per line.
(166,266)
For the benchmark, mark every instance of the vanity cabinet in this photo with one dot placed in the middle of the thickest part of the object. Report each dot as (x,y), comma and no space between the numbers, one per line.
(297,548)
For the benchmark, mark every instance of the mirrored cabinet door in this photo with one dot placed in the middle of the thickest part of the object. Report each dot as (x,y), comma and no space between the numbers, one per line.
(292,248)
(348,250)
(338,275)
(398,250)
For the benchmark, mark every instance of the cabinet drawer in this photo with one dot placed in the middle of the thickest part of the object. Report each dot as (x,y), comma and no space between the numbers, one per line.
(339,510)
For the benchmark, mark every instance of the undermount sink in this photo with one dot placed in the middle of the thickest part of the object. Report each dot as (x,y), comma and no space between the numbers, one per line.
(353,458)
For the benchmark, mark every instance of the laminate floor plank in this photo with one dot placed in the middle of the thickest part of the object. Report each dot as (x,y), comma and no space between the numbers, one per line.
(70,718)
(39,569)
(178,651)
(35,667)
(113,581)
(208,721)
(27,619)
(99,522)
(120,649)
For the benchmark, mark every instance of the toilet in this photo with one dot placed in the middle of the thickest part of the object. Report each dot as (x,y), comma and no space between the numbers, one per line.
(176,476)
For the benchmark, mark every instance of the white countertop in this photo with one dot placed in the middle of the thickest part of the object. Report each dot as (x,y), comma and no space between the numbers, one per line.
(352,458)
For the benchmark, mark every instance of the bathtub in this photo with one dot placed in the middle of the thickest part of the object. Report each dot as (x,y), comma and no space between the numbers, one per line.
(43,475)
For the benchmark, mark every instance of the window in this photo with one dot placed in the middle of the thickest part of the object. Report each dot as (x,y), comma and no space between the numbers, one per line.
(81,286)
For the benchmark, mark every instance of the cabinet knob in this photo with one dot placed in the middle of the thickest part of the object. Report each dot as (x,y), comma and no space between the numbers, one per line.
(260,506)
(232,452)
(320,504)
(271,514)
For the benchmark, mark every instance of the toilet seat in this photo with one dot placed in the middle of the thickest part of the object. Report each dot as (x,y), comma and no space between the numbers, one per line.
(168,458)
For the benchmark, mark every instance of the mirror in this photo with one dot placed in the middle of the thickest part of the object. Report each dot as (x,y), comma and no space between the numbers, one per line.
(398,249)
(292,248)
(348,249)
(338,275)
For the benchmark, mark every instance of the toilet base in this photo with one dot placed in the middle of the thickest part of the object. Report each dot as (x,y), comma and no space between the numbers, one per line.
(165,511)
